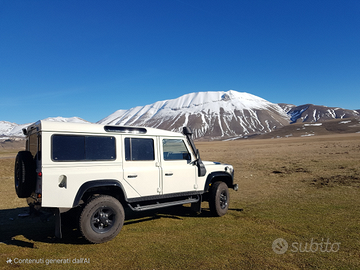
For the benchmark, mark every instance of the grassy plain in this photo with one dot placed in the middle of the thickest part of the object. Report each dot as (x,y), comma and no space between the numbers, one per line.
(303,190)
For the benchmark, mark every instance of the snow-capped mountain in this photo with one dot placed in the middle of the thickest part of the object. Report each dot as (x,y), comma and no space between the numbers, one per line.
(69,119)
(211,115)
(316,113)
(12,130)
(6,127)
(9,130)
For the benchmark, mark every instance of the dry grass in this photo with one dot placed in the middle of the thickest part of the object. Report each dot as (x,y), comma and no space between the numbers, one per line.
(298,189)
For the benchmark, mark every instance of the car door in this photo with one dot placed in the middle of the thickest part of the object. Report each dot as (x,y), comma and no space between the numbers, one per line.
(177,171)
(141,165)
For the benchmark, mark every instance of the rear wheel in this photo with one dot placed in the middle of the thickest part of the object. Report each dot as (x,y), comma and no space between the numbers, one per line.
(101,219)
(25,174)
(219,199)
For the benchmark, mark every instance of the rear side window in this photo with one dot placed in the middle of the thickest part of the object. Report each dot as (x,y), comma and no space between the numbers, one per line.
(34,145)
(139,149)
(83,148)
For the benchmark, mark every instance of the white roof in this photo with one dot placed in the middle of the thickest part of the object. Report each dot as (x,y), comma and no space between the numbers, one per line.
(51,126)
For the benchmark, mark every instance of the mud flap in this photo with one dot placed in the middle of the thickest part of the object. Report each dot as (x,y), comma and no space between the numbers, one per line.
(196,207)
(58,233)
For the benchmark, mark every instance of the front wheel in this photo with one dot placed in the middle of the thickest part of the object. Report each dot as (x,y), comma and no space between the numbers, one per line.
(101,219)
(219,199)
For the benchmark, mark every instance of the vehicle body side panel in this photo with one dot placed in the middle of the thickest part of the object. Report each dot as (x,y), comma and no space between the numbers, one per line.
(62,195)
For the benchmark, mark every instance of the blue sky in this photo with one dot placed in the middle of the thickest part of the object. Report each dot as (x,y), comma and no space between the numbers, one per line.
(91,58)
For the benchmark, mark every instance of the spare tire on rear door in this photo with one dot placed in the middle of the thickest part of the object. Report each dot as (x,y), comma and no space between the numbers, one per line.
(25,174)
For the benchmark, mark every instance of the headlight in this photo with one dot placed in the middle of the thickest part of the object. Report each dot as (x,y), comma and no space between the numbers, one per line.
(229,169)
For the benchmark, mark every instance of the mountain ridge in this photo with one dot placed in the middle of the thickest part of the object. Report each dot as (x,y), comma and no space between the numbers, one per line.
(10,130)
(311,113)
(213,115)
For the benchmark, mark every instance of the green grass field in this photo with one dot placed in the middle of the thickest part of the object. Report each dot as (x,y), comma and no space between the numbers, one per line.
(303,190)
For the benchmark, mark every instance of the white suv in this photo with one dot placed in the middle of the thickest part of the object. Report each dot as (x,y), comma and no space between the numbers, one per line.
(100,169)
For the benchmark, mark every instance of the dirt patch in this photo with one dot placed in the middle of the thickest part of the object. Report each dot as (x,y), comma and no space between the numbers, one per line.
(286,170)
(336,180)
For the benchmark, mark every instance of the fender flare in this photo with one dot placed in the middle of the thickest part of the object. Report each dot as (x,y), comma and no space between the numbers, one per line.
(94,184)
(225,177)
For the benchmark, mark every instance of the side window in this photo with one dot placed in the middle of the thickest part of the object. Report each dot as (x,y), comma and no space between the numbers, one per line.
(99,148)
(68,148)
(174,149)
(139,149)
(82,148)
(34,145)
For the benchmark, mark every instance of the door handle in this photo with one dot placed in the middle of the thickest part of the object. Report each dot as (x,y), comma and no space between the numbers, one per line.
(168,174)
(132,176)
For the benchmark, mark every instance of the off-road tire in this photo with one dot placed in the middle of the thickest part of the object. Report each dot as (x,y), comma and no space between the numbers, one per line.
(219,199)
(101,219)
(24,174)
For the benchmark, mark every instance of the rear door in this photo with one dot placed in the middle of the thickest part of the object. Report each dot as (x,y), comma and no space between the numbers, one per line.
(34,146)
(177,171)
(141,165)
